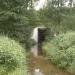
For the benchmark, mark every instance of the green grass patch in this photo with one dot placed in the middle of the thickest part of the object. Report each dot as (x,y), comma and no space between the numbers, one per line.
(12,57)
(61,51)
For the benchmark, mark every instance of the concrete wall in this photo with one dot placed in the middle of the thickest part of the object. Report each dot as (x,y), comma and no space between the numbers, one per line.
(38,37)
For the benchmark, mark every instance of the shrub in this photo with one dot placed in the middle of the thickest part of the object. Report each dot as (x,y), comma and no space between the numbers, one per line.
(61,51)
(12,57)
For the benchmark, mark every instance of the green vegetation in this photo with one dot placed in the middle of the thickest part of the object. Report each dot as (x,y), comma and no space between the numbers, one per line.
(61,51)
(17,20)
(57,16)
(12,57)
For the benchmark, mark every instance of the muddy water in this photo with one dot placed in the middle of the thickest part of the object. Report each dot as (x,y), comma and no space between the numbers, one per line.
(45,67)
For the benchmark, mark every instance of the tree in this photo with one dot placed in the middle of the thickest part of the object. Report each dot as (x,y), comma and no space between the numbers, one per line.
(14,19)
(57,3)
(60,18)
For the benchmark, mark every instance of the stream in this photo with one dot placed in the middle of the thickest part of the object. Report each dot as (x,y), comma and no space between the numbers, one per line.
(40,66)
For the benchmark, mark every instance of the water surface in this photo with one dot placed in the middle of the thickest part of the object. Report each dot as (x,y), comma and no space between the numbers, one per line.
(45,67)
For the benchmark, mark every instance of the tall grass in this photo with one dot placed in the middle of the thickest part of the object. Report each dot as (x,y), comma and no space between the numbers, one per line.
(12,57)
(61,51)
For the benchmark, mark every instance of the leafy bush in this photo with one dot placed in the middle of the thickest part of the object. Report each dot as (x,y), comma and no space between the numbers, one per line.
(61,51)
(12,57)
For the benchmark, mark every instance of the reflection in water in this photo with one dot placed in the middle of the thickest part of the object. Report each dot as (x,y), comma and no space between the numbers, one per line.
(34,50)
(38,72)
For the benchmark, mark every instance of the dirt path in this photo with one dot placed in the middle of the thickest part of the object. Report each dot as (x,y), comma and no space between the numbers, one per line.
(45,67)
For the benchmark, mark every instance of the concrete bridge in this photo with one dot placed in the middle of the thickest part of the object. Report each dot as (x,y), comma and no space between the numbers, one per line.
(38,36)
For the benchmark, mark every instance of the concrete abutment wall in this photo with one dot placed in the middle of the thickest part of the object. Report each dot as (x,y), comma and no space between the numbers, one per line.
(38,36)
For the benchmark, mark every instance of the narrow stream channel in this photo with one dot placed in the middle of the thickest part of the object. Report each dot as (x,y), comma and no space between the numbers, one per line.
(40,66)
